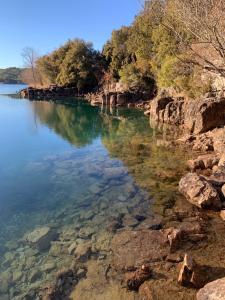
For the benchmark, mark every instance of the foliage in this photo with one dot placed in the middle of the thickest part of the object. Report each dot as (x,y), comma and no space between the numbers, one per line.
(10,75)
(170,43)
(74,64)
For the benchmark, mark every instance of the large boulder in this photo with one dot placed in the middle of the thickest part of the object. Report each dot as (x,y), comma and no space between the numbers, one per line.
(213,291)
(205,114)
(199,191)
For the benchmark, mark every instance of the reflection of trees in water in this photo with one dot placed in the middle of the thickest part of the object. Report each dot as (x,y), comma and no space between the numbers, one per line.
(151,157)
(155,162)
(79,123)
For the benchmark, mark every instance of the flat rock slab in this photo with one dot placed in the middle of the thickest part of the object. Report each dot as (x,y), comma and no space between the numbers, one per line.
(213,291)
(131,249)
(41,237)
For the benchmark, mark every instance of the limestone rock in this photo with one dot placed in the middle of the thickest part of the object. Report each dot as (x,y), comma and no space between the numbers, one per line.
(41,237)
(205,114)
(213,291)
(191,275)
(158,106)
(199,191)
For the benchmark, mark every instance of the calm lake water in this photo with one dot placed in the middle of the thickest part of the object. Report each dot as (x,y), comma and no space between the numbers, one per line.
(73,168)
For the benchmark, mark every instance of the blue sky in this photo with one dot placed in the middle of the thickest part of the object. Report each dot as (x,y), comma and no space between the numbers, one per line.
(47,24)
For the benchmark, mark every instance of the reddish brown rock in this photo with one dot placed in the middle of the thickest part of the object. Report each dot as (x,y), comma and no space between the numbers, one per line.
(191,274)
(194,275)
(207,161)
(204,114)
(199,191)
(213,291)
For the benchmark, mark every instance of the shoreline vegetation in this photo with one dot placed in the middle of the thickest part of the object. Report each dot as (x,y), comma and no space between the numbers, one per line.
(170,62)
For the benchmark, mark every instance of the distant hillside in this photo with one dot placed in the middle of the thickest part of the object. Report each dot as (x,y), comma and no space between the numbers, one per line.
(10,75)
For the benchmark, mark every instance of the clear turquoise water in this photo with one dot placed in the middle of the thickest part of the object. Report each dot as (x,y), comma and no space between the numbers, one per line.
(57,168)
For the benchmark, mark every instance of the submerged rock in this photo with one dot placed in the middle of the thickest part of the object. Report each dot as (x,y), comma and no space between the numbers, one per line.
(41,237)
(199,191)
(132,249)
(213,291)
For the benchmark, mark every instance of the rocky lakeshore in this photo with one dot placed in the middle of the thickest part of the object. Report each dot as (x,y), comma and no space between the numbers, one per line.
(203,124)
(47,94)
(116,99)
(131,235)
(107,99)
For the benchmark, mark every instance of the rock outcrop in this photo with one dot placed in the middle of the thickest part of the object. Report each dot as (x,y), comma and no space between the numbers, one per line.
(197,116)
(113,99)
(51,93)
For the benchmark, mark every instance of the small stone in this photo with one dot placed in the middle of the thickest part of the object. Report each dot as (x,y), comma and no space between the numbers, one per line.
(129,221)
(35,275)
(81,273)
(17,275)
(72,248)
(83,251)
(55,250)
(48,267)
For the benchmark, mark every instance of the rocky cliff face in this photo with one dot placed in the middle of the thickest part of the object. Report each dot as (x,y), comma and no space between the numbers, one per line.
(113,99)
(197,116)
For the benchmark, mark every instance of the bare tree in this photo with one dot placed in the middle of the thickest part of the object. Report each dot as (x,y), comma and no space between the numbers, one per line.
(30,57)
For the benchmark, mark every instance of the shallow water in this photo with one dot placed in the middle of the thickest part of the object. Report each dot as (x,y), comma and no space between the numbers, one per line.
(74,168)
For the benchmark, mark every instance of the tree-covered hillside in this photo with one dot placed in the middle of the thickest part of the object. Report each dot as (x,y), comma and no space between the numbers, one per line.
(172,43)
(10,75)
